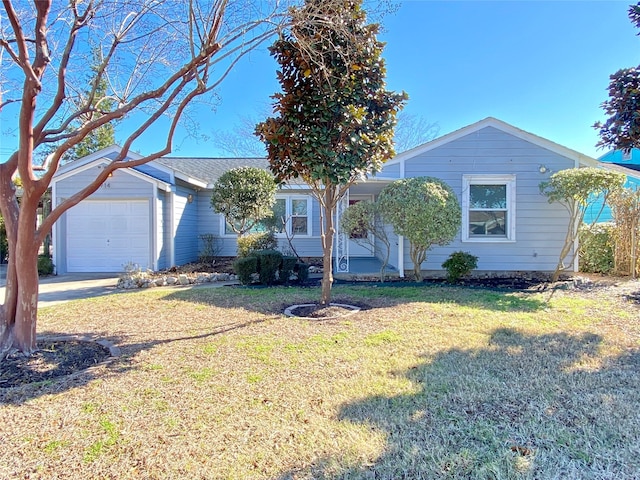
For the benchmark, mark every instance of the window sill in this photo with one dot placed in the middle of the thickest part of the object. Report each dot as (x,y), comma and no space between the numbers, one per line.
(488,240)
(277,235)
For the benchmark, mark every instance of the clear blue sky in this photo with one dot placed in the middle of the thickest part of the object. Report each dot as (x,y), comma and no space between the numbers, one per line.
(542,66)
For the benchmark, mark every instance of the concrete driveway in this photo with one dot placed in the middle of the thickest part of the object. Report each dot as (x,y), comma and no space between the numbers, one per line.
(70,286)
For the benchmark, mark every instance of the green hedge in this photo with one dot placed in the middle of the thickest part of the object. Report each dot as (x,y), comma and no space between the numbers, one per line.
(597,248)
(269,262)
(302,269)
(45,265)
(287,268)
(270,266)
(244,268)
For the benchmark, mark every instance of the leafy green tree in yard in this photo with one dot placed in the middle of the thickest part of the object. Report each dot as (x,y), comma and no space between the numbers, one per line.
(334,120)
(621,131)
(244,195)
(577,189)
(425,210)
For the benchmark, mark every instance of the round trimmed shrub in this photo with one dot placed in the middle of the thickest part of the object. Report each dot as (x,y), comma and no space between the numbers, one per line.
(245,267)
(459,264)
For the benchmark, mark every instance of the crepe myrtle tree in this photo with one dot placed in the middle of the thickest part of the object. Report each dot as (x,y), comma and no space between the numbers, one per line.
(334,119)
(577,189)
(69,68)
(425,210)
(244,196)
(364,224)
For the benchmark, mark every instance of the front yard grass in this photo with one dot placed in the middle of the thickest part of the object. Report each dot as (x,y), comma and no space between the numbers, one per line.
(423,383)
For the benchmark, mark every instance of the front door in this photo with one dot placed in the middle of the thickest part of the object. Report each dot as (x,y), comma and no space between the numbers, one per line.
(360,249)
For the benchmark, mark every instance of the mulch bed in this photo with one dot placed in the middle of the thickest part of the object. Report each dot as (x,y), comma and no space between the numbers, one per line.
(321,311)
(53,359)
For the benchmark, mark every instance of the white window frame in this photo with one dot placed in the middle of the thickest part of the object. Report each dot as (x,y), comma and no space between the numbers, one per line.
(289,210)
(509,180)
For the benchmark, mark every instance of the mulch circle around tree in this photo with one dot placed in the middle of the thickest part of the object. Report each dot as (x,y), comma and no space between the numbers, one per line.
(55,357)
(314,311)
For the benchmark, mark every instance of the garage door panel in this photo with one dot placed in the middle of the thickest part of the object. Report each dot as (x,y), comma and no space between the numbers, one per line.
(135,226)
(102,236)
(134,242)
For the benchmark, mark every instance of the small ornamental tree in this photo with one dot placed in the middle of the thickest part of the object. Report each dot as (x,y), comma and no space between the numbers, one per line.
(363,222)
(244,196)
(425,210)
(577,189)
(334,118)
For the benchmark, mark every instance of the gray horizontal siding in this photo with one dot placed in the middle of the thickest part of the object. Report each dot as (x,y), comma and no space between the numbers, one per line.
(185,226)
(121,185)
(389,171)
(540,226)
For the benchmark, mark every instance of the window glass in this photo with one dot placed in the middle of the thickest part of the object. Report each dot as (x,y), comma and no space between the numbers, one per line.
(299,207)
(299,216)
(299,225)
(488,196)
(487,222)
(279,215)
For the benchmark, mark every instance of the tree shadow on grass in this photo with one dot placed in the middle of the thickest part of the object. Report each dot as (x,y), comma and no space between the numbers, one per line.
(526,406)
(274,300)
(59,379)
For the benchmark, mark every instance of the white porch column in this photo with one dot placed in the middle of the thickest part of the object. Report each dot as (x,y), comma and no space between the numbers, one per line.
(341,262)
(400,256)
(172,226)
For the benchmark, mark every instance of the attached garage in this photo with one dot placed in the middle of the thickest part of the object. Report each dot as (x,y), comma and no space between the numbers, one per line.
(104,235)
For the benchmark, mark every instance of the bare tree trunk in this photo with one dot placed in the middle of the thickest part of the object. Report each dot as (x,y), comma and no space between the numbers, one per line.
(18,316)
(327,235)
(572,232)
(418,255)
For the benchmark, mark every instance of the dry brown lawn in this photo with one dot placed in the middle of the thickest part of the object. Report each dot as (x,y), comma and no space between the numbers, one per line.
(423,383)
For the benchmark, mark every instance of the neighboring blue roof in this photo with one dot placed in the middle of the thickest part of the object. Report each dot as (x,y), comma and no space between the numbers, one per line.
(621,158)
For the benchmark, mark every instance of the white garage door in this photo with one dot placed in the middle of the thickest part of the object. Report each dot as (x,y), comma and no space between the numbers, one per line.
(102,236)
